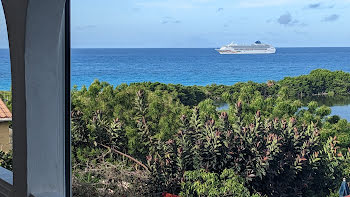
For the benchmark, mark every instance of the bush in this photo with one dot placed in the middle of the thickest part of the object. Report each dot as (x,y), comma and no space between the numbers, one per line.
(263,153)
(6,160)
(203,183)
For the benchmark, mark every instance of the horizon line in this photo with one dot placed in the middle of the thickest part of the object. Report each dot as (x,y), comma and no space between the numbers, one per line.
(201,47)
(195,47)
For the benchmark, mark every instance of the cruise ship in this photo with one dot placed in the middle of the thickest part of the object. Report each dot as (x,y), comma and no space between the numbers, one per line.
(256,48)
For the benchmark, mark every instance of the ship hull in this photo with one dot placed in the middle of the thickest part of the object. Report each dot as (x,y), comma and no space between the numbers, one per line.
(230,52)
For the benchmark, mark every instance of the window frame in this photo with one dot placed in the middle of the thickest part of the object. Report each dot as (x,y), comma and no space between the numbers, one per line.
(7,186)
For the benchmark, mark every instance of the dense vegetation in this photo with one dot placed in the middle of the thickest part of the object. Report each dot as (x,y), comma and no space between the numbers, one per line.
(177,138)
(318,82)
(145,139)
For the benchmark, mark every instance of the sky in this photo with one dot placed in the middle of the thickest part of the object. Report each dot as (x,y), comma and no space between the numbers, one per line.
(207,23)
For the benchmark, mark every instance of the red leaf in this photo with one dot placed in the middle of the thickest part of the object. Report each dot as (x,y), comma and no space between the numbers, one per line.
(165,194)
(303,159)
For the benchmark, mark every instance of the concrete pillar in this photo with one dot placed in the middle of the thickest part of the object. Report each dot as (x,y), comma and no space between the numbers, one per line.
(37,39)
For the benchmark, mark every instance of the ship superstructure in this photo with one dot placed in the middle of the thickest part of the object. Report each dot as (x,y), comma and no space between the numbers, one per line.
(256,48)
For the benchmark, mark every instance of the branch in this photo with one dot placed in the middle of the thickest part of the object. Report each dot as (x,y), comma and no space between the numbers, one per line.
(128,156)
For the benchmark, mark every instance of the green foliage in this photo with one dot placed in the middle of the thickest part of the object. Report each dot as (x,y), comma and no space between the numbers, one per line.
(133,114)
(207,110)
(334,194)
(266,142)
(6,160)
(203,183)
(334,126)
(263,153)
(264,137)
(318,82)
(312,106)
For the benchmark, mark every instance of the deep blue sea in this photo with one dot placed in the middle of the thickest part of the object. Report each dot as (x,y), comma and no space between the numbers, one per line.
(194,66)
(191,66)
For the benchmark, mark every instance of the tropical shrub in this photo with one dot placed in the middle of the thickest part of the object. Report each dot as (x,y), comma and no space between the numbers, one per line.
(149,139)
(202,183)
(6,160)
(263,153)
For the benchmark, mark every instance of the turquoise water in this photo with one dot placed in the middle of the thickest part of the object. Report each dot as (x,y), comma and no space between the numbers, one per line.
(341,110)
(339,105)
(194,66)
(191,66)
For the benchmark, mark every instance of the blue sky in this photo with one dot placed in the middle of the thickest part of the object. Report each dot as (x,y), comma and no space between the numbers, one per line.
(207,23)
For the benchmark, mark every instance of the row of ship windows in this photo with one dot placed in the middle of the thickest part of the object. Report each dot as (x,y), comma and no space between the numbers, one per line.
(251,49)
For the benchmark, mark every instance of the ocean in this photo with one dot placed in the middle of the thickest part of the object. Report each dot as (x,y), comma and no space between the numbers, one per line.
(191,66)
(195,66)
